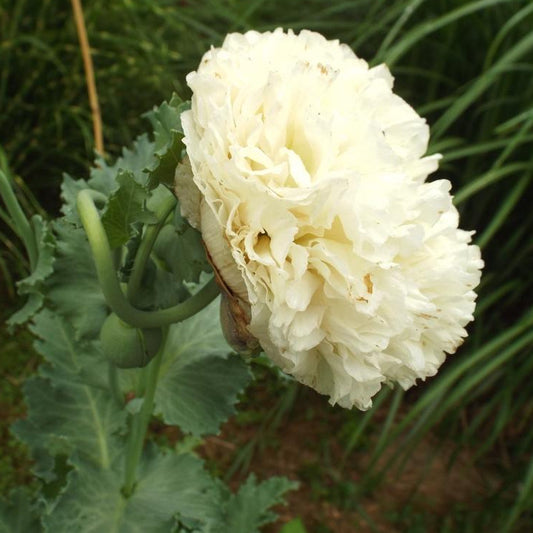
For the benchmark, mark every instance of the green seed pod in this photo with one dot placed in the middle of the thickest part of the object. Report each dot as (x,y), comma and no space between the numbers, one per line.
(127,346)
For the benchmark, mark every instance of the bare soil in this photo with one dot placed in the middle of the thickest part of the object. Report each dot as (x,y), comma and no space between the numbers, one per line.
(308,447)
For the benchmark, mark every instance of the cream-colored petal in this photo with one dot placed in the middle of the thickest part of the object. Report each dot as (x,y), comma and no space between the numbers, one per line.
(317,214)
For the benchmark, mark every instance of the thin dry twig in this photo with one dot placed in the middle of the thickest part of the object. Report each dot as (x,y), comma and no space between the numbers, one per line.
(89,76)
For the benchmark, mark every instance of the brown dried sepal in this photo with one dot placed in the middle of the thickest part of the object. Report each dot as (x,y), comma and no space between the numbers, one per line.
(234,318)
(234,323)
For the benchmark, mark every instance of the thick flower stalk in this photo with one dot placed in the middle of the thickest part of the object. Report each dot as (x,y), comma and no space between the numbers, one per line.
(309,187)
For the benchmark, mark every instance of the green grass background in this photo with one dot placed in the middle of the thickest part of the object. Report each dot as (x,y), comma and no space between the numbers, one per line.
(467,66)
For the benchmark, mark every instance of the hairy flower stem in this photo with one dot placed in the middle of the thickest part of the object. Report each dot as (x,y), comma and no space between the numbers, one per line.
(21,225)
(140,420)
(110,285)
(145,248)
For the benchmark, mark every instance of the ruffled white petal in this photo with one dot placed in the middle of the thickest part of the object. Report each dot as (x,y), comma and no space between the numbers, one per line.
(316,211)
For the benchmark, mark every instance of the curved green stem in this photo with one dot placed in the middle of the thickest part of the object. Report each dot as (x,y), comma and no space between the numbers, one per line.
(21,225)
(114,385)
(140,420)
(97,196)
(143,253)
(110,285)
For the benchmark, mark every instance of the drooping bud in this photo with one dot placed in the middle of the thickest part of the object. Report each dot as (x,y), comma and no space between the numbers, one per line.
(127,346)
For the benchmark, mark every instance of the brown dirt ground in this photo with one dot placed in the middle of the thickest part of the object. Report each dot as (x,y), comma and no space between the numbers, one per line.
(306,447)
(14,462)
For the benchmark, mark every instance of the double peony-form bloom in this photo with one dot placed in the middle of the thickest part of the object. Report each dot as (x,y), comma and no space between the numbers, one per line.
(308,185)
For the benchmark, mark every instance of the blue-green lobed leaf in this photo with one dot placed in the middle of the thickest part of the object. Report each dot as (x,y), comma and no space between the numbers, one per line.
(70,188)
(250,508)
(19,514)
(169,147)
(135,160)
(70,408)
(125,208)
(73,288)
(202,395)
(170,488)
(200,379)
(180,249)
(32,286)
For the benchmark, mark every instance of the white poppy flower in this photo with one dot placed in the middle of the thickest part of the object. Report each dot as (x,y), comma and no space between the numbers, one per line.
(348,266)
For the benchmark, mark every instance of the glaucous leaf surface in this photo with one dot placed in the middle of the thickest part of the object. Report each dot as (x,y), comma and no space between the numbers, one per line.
(199,380)
(170,487)
(168,150)
(125,208)
(180,248)
(69,407)
(249,509)
(32,286)
(134,160)
(73,288)
(18,514)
